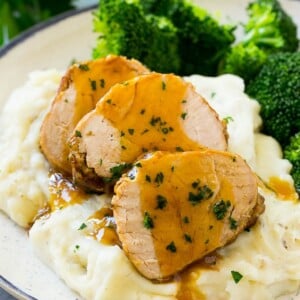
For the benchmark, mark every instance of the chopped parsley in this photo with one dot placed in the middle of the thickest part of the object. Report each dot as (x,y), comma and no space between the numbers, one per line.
(179,149)
(163,85)
(154,120)
(171,247)
(108,101)
(237,276)
(131,131)
(144,131)
(142,111)
(186,220)
(233,223)
(228,119)
(102,83)
(196,183)
(188,238)
(148,221)
(183,115)
(93,84)
(78,133)
(117,171)
(84,67)
(82,226)
(220,209)
(165,130)
(202,193)
(148,178)
(161,202)
(159,178)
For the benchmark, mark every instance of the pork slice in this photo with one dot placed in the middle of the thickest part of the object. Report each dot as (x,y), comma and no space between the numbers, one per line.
(172,209)
(80,89)
(148,113)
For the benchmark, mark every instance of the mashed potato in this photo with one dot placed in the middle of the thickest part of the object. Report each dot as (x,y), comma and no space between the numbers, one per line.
(24,171)
(267,257)
(94,270)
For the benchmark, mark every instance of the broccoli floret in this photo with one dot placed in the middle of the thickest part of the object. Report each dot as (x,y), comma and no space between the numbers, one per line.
(126,30)
(277,89)
(269,30)
(270,27)
(202,40)
(292,153)
(244,61)
(167,36)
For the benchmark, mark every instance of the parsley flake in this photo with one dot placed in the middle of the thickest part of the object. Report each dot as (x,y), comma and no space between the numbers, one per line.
(93,84)
(131,131)
(78,133)
(233,223)
(188,238)
(171,247)
(159,178)
(220,209)
(203,193)
(84,67)
(102,83)
(237,276)
(186,220)
(82,226)
(183,116)
(148,221)
(161,202)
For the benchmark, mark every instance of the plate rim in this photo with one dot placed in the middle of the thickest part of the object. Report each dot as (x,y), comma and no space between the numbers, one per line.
(28,33)
(13,290)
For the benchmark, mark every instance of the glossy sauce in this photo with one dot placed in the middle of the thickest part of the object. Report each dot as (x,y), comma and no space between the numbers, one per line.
(187,279)
(63,192)
(145,126)
(102,227)
(173,178)
(283,188)
(93,79)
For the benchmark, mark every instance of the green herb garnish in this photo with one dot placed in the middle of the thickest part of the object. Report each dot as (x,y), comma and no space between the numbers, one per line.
(237,276)
(148,221)
(220,209)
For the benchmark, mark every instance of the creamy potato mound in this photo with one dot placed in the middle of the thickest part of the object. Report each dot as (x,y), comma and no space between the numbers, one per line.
(267,257)
(23,168)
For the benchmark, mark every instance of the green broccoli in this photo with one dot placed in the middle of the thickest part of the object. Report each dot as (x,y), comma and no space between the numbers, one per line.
(18,15)
(277,89)
(167,36)
(292,153)
(269,30)
(270,27)
(202,40)
(244,60)
(126,30)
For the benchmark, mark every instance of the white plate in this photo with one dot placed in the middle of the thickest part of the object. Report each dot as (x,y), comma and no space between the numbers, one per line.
(53,45)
